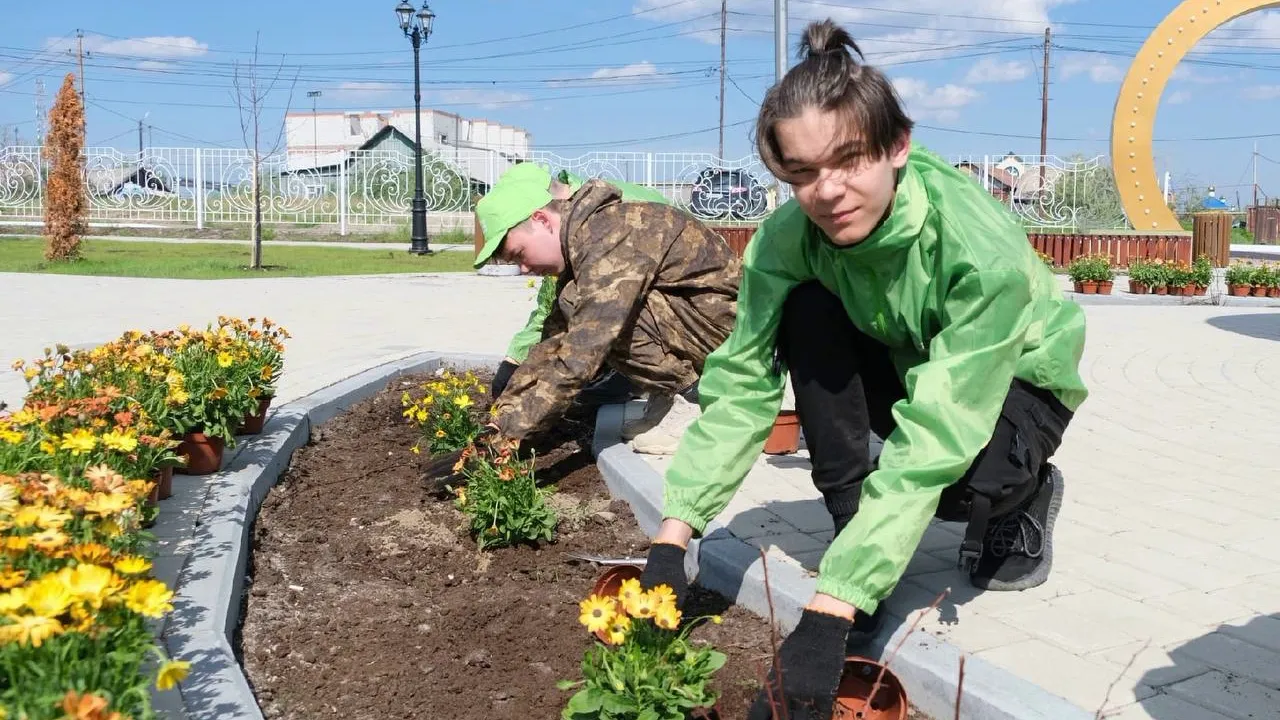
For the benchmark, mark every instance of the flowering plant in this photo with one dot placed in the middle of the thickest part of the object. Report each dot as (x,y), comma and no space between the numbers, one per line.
(646,669)
(447,412)
(501,500)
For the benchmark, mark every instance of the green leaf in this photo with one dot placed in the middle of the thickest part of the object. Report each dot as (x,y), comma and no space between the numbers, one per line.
(585,701)
(568,684)
(648,714)
(715,661)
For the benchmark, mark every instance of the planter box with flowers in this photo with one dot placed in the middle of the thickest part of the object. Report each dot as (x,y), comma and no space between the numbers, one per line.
(1092,274)
(1245,279)
(96,437)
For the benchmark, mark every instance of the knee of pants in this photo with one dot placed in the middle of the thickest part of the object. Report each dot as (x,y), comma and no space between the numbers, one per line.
(810,300)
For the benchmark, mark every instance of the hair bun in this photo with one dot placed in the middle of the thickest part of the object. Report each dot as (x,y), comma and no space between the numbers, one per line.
(826,38)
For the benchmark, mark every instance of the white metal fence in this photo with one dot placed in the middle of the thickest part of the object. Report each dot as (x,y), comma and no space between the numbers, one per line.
(199,187)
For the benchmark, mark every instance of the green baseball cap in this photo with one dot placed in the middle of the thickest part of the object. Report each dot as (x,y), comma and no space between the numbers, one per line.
(530,171)
(508,203)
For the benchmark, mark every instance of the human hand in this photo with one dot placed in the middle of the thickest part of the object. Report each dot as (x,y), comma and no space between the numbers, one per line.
(665,566)
(810,663)
(502,376)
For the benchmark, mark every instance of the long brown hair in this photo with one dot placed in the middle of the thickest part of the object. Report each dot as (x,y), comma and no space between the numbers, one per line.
(829,78)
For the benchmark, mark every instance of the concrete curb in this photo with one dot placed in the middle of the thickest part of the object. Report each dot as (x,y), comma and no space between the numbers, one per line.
(721,562)
(211,539)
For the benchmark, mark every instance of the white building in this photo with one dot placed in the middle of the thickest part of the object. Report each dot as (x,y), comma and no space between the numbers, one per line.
(480,147)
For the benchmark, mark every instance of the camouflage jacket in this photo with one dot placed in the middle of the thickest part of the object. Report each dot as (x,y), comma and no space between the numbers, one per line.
(646,290)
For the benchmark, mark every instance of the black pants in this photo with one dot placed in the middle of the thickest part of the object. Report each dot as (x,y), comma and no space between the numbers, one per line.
(607,387)
(845,386)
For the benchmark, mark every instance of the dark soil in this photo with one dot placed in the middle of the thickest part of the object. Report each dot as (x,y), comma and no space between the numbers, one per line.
(369,600)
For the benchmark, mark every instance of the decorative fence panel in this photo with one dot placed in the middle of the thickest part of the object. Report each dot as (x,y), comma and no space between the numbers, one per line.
(203,186)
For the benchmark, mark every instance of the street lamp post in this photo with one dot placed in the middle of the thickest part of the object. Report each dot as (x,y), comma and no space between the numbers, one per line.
(418,32)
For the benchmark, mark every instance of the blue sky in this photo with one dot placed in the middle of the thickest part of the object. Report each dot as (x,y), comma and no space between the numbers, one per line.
(643,74)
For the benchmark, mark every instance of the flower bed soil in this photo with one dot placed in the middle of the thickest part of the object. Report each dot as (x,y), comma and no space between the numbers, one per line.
(368,599)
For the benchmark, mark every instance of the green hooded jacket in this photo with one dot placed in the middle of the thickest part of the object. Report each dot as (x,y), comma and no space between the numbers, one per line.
(951,285)
(531,333)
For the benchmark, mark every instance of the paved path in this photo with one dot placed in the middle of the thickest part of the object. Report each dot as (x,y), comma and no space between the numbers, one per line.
(1167,579)
(268,243)
(1167,569)
(341,325)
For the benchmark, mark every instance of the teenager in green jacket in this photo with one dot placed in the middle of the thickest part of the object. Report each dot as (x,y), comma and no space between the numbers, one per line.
(904,300)
(610,386)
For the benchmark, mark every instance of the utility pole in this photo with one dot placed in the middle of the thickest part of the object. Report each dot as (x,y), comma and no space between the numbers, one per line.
(315,133)
(40,112)
(140,145)
(1255,174)
(779,39)
(84,108)
(1044,109)
(724,14)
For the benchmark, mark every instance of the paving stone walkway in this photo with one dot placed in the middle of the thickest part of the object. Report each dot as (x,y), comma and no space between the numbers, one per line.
(1166,591)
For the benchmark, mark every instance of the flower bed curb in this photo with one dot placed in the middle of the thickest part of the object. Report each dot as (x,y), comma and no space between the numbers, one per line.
(204,538)
(722,562)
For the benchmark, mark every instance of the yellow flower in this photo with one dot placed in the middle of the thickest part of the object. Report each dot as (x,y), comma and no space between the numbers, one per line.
(716,619)
(463,401)
(149,597)
(48,596)
(47,447)
(91,583)
(439,433)
(171,673)
(616,633)
(78,442)
(596,612)
(85,707)
(462,495)
(663,595)
(17,543)
(667,617)
(51,518)
(13,600)
(27,516)
(108,504)
(415,450)
(267,372)
(225,360)
(10,579)
(110,528)
(91,553)
(123,441)
(30,630)
(12,437)
(643,607)
(132,565)
(218,393)
(629,591)
(49,540)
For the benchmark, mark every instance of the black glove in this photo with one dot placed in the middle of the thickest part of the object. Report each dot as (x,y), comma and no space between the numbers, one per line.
(666,567)
(500,378)
(811,661)
(440,473)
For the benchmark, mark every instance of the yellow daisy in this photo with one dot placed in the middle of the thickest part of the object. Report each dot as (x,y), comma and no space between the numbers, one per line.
(596,612)
(171,673)
(616,633)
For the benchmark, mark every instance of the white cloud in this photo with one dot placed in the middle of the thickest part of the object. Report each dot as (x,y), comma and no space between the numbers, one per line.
(365,90)
(1256,29)
(1178,97)
(153,47)
(5,77)
(1183,73)
(1098,69)
(990,70)
(634,70)
(156,65)
(931,28)
(1261,92)
(640,73)
(486,99)
(939,103)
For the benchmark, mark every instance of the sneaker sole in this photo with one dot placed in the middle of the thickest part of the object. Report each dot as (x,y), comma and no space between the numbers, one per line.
(1041,573)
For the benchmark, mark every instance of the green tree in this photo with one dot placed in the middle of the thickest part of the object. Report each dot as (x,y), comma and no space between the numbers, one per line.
(1085,193)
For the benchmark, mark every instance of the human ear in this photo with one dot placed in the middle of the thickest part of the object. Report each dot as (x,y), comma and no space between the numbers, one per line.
(902,150)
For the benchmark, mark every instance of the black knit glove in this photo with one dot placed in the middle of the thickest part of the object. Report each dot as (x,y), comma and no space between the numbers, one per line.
(666,567)
(811,662)
(500,378)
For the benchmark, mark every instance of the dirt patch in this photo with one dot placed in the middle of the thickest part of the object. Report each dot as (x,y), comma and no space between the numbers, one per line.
(368,600)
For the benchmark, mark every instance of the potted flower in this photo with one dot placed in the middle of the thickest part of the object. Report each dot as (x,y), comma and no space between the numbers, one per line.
(1239,278)
(447,410)
(205,397)
(1202,274)
(646,667)
(1103,274)
(1081,271)
(1267,278)
(258,350)
(1178,277)
(1141,274)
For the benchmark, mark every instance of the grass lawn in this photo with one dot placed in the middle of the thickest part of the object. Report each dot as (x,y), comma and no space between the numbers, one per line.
(211,262)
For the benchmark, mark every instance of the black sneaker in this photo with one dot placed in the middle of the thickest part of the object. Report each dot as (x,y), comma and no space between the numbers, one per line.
(864,630)
(1017,550)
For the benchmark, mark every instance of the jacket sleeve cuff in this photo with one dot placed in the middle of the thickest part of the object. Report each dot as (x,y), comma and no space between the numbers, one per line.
(848,592)
(686,513)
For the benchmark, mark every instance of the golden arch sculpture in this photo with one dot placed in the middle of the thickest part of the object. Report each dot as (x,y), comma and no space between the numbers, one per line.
(1134,119)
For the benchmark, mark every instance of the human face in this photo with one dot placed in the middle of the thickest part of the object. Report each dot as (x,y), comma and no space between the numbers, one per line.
(535,244)
(840,188)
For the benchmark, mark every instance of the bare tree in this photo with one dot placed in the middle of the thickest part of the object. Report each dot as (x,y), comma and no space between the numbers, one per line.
(251,92)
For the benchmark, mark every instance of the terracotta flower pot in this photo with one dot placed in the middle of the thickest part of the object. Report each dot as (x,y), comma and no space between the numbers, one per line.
(1259,291)
(1104,287)
(1240,290)
(610,582)
(1161,289)
(1273,292)
(164,482)
(1202,289)
(1089,287)
(1137,288)
(889,703)
(1189,290)
(784,439)
(253,422)
(204,453)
